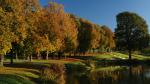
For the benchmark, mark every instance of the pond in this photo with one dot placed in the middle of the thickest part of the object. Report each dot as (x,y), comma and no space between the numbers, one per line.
(110,75)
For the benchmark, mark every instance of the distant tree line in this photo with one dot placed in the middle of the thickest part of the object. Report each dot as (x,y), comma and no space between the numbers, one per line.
(27,29)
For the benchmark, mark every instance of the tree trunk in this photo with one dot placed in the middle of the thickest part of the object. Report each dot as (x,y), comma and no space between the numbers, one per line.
(38,55)
(24,55)
(1,60)
(130,75)
(74,53)
(16,56)
(11,59)
(130,57)
(93,50)
(47,55)
(66,55)
(59,55)
(30,58)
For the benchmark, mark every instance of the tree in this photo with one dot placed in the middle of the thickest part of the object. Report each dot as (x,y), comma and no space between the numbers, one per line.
(26,27)
(103,40)
(84,36)
(131,32)
(32,11)
(28,47)
(22,19)
(6,36)
(59,27)
(95,37)
(70,34)
(109,37)
(16,21)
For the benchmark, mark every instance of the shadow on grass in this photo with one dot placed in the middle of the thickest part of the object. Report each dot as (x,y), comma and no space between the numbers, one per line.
(13,79)
(30,70)
(27,65)
(83,57)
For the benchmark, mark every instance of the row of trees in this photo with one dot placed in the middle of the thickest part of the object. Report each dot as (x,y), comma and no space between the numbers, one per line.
(28,29)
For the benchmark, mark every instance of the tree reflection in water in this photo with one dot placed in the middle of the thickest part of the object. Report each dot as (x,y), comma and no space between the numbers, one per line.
(111,75)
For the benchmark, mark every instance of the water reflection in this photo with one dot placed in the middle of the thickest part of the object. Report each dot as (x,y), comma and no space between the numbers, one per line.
(147,74)
(111,75)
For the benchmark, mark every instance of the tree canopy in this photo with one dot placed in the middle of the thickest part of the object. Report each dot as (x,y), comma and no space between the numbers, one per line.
(131,32)
(26,28)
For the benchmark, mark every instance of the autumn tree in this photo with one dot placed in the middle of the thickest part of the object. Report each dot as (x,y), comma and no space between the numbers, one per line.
(6,36)
(32,9)
(10,8)
(131,32)
(31,29)
(59,27)
(84,36)
(103,40)
(93,37)
(96,37)
(70,34)
(109,37)
(19,24)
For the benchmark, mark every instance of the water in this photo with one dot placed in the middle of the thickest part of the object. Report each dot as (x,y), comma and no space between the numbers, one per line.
(110,75)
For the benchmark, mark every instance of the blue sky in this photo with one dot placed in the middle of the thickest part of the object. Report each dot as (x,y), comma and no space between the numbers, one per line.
(103,12)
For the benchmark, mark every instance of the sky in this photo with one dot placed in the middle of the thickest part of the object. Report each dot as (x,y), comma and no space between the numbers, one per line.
(103,12)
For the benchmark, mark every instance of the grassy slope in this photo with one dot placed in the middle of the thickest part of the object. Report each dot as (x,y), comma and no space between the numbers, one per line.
(115,55)
(24,72)
(20,73)
(13,79)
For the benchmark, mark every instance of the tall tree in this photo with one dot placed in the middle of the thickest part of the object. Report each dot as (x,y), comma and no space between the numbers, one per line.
(131,32)
(59,27)
(6,36)
(95,37)
(85,36)
(109,36)
(28,47)
(22,18)
(32,11)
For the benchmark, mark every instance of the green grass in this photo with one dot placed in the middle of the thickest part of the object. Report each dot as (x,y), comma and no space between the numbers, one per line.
(51,61)
(19,73)
(61,61)
(110,68)
(13,79)
(115,55)
(23,72)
